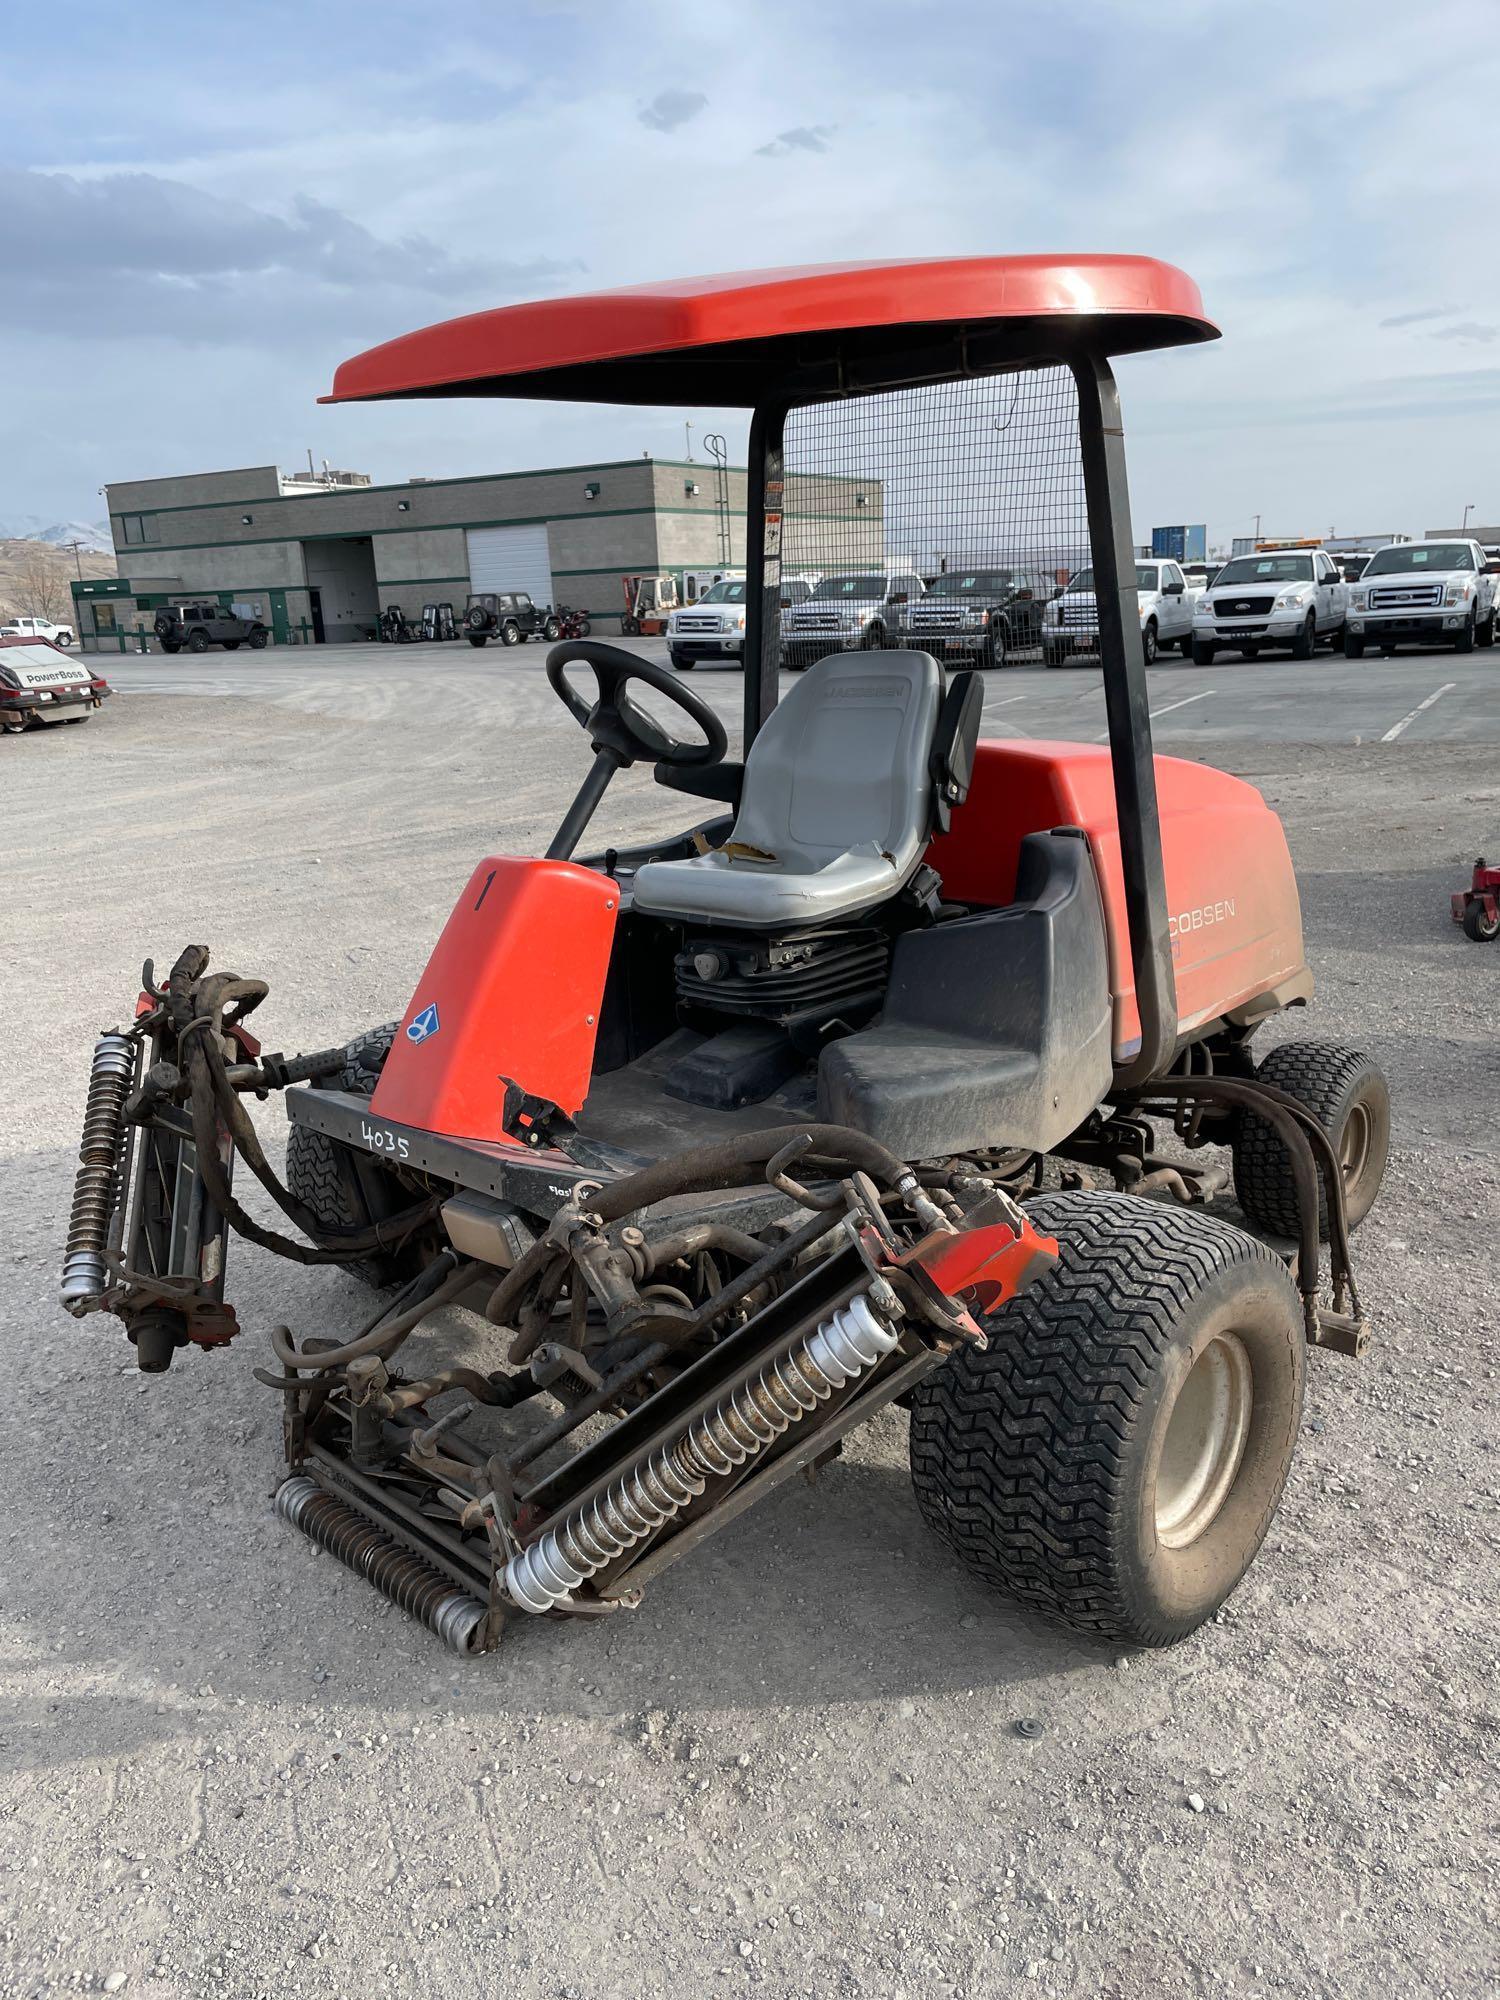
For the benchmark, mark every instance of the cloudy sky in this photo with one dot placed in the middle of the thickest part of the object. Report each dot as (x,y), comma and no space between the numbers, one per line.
(203,210)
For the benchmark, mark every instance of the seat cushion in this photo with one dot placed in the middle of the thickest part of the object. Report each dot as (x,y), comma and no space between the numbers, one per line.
(836,806)
(738,891)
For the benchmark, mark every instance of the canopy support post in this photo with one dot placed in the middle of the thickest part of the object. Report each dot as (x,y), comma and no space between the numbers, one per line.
(765,482)
(1127,707)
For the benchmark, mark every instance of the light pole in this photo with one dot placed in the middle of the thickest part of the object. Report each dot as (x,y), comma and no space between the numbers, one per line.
(1465,523)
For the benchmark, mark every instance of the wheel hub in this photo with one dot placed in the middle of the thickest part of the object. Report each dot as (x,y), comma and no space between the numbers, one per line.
(1354,1143)
(1205,1441)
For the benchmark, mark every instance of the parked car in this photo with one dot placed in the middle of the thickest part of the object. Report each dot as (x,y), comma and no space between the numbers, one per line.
(1438,593)
(713,628)
(39,628)
(980,615)
(1070,622)
(197,625)
(40,684)
(1288,599)
(509,616)
(853,611)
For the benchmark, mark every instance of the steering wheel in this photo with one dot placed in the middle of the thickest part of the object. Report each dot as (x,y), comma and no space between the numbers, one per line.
(624,731)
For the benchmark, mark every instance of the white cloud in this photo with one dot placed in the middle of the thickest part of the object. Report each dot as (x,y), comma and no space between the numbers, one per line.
(1309,198)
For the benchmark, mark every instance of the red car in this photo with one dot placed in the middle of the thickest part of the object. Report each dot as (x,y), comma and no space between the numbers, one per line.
(40,683)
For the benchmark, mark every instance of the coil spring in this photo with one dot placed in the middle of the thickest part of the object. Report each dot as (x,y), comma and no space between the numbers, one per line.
(737,1428)
(96,1188)
(408,1581)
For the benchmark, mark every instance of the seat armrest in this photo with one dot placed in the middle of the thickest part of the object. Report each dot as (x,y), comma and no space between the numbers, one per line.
(704,781)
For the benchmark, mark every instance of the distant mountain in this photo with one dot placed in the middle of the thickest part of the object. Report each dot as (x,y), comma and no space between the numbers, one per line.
(94,535)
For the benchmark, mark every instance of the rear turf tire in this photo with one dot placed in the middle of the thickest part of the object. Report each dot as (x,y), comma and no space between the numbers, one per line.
(1348,1093)
(1050,1461)
(333,1181)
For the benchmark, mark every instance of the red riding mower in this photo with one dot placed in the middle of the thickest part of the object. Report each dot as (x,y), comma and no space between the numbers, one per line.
(736,1137)
(1477,908)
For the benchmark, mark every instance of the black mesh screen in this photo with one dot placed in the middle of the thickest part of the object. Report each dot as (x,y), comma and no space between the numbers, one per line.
(944,517)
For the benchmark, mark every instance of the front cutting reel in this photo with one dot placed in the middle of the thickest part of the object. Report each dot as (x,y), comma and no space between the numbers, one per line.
(684,1335)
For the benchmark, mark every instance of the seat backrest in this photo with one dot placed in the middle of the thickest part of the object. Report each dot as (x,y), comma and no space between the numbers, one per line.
(842,761)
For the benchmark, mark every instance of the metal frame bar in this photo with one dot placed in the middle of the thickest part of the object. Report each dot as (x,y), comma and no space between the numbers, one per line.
(1127,707)
(765,479)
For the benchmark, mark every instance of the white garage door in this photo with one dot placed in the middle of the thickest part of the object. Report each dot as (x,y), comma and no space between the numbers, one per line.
(511,559)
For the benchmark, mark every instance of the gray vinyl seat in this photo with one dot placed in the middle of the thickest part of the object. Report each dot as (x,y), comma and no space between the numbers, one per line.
(836,805)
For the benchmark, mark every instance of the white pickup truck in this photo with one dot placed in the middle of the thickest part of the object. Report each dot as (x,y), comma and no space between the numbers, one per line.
(1283,598)
(38,628)
(1070,622)
(1437,593)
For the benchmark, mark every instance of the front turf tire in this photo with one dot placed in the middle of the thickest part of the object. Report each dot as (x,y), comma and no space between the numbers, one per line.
(329,1178)
(1347,1092)
(1077,1463)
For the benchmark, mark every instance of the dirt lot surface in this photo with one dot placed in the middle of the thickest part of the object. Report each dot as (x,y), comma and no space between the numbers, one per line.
(228,1768)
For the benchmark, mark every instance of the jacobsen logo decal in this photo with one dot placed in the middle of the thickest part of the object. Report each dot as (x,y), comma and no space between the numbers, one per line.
(425,1025)
(1179,926)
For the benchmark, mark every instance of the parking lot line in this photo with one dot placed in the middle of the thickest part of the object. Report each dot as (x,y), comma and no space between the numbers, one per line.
(1008,701)
(1166,709)
(1436,695)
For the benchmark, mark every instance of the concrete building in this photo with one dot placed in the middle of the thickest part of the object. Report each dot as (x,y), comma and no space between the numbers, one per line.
(320,559)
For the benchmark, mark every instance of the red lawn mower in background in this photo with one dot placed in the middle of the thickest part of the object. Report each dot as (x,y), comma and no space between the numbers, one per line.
(1477,908)
(851,1092)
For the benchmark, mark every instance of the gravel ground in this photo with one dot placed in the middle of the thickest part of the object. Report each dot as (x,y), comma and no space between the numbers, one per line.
(228,1768)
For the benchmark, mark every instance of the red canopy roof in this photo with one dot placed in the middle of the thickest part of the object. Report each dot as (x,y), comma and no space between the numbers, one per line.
(735,338)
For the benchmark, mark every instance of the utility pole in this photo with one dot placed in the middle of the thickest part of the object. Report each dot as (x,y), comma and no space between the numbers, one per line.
(1467,512)
(77,558)
(1257,527)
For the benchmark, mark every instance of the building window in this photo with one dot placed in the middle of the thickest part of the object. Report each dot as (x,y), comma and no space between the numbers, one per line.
(139,528)
(104,617)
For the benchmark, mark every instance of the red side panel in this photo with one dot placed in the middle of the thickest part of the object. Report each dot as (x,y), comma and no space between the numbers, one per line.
(1235,920)
(512,991)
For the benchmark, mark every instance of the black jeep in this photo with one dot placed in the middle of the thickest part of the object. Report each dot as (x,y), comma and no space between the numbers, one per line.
(509,616)
(199,626)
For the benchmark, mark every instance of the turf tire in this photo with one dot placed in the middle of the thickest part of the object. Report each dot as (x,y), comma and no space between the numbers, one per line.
(1334,1083)
(323,1174)
(1036,1457)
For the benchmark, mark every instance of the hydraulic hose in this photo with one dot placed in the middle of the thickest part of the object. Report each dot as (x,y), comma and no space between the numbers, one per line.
(385,1334)
(195,1006)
